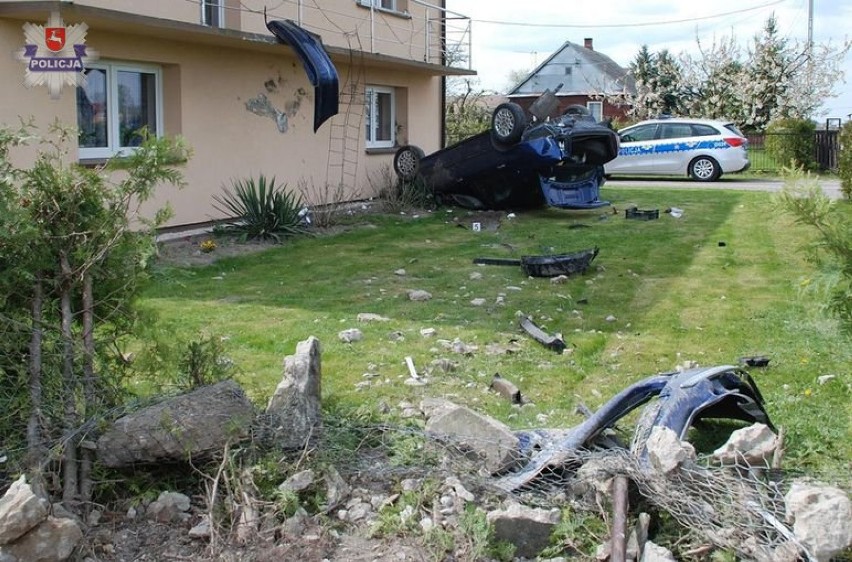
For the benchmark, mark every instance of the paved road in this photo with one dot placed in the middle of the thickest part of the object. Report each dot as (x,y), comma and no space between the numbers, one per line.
(831,187)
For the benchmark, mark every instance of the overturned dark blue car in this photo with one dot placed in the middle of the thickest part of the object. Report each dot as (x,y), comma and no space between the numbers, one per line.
(523,161)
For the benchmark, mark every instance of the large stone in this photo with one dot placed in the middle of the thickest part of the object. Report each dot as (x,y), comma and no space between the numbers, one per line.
(298,482)
(189,426)
(666,451)
(821,517)
(656,553)
(51,541)
(527,528)
(490,440)
(169,507)
(753,445)
(295,408)
(20,511)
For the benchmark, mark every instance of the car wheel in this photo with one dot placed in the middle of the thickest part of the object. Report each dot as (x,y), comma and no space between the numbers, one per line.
(704,168)
(406,162)
(577,110)
(508,123)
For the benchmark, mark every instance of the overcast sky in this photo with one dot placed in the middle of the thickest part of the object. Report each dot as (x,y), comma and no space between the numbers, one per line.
(620,27)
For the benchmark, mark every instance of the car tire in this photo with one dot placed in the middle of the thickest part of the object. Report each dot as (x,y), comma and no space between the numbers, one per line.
(508,122)
(577,110)
(704,168)
(406,162)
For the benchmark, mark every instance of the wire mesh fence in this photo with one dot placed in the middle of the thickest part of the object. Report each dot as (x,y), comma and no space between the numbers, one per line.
(736,507)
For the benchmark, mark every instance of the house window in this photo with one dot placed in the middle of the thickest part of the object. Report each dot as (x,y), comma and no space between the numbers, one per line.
(117,101)
(382,4)
(213,13)
(380,117)
(596,109)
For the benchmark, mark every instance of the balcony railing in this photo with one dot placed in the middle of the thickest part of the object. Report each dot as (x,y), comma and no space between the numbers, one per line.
(422,31)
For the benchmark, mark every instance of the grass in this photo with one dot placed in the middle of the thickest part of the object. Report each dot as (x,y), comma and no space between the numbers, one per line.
(723,281)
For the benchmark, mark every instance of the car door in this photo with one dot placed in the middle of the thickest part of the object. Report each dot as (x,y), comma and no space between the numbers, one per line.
(636,152)
(675,148)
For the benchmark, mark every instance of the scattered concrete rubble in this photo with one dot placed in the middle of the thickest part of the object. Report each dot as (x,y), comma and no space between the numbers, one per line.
(419,295)
(350,335)
(655,553)
(821,517)
(295,408)
(169,507)
(371,317)
(527,528)
(28,533)
(753,445)
(488,439)
(666,451)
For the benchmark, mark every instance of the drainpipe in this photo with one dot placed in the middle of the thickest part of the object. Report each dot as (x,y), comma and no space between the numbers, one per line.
(443,93)
(443,143)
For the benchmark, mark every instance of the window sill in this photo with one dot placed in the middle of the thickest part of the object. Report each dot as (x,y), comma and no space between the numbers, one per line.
(382,150)
(92,162)
(123,162)
(403,15)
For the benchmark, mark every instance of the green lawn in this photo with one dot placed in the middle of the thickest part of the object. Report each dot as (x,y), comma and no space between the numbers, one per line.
(723,281)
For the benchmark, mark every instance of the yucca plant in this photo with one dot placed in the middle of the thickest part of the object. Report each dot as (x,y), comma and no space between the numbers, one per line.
(260,209)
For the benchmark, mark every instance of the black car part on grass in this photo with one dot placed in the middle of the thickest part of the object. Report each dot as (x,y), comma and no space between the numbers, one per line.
(554,342)
(720,392)
(321,71)
(642,215)
(548,265)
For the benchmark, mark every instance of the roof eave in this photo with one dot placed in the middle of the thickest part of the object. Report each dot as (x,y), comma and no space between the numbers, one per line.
(162,28)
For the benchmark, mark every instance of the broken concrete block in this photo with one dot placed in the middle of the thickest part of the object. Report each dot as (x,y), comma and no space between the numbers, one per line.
(20,511)
(488,439)
(821,517)
(53,539)
(666,451)
(527,528)
(295,408)
(754,445)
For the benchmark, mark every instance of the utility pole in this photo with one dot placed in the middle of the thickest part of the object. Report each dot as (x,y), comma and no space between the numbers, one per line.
(810,27)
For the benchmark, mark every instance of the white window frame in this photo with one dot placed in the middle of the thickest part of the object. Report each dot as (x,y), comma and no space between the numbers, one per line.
(371,141)
(113,133)
(220,13)
(377,4)
(599,105)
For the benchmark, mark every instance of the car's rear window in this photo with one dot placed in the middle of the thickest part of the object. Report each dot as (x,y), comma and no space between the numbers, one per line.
(733,128)
(699,130)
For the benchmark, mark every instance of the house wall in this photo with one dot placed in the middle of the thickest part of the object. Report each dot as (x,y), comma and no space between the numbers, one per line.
(412,32)
(206,90)
(610,111)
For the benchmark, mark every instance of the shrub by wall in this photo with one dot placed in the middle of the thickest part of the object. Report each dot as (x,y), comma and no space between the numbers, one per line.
(844,160)
(791,142)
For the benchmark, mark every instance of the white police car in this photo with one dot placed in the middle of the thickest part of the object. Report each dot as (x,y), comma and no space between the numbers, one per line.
(702,149)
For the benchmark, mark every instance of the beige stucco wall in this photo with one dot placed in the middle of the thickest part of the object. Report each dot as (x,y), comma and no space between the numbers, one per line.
(206,90)
(413,32)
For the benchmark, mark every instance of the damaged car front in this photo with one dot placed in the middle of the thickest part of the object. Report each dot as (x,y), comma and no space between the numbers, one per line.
(522,161)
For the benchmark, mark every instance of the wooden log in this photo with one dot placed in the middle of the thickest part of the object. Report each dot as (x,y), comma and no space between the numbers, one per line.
(618,552)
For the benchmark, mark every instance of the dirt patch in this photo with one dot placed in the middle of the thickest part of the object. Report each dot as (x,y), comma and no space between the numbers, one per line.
(204,249)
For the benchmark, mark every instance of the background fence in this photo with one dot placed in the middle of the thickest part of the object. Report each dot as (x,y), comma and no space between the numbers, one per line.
(826,148)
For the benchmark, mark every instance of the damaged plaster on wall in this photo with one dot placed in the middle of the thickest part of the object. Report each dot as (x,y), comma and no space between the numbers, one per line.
(261,105)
